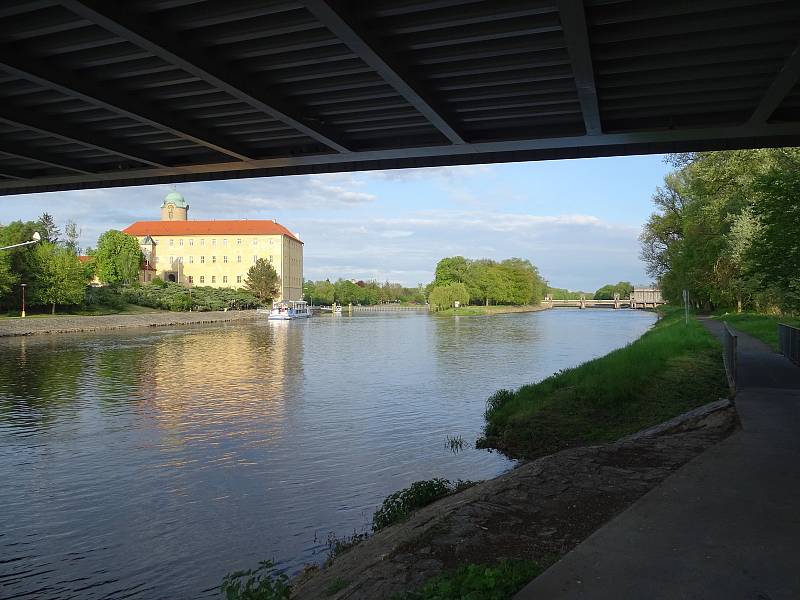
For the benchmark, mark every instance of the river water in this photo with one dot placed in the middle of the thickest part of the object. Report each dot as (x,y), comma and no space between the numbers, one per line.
(148,463)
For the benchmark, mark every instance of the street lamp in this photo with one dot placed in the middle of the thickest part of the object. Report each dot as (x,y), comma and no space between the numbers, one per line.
(23,286)
(35,239)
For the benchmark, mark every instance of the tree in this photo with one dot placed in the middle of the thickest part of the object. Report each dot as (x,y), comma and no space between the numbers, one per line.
(445,296)
(48,229)
(118,257)
(59,276)
(8,278)
(607,292)
(263,281)
(71,236)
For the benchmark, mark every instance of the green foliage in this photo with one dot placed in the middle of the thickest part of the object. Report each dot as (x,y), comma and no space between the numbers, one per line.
(263,583)
(727,228)
(263,281)
(763,327)
(118,257)
(174,296)
(512,281)
(445,296)
(478,582)
(344,291)
(59,277)
(157,282)
(335,586)
(338,546)
(669,370)
(104,297)
(607,292)
(8,279)
(47,228)
(399,505)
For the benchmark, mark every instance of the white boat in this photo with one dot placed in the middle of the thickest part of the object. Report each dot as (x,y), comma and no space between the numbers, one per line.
(287,311)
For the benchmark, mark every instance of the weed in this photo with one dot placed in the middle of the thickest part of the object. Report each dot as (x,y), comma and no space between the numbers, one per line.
(338,546)
(263,583)
(455,443)
(484,582)
(399,505)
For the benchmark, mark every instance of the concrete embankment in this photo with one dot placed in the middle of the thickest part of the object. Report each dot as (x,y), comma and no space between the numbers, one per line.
(539,510)
(78,324)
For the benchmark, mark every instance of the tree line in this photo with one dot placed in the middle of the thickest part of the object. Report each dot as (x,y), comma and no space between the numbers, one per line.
(345,291)
(727,229)
(513,281)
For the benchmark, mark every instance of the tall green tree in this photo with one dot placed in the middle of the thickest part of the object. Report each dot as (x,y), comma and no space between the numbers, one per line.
(59,276)
(8,279)
(71,236)
(263,281)
(118,257)
(48,229)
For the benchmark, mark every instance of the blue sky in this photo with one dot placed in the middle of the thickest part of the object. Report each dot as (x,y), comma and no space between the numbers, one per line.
(577,220)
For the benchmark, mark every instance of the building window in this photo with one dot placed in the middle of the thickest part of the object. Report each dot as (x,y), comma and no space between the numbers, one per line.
(213,259)
(214,242)
(202,242)
(191,242)
(255,242)
(191,259)
(202,260)
(213,279)
(238,241)
(255,258)
(191,279)
(171,242)
(270,258)
(238,259)
(225,242)
(224,259)
(171,259)
(224,279)
(202,279)
(180,242)
(238,279)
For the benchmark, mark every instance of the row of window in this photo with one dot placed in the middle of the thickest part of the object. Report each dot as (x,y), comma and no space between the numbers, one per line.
(202,242)
(179,259)
(202,279)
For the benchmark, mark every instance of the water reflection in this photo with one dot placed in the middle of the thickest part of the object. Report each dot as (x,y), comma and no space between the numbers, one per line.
(147,464)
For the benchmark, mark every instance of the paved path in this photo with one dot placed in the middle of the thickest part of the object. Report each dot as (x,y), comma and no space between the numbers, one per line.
(724,526)
(75,323)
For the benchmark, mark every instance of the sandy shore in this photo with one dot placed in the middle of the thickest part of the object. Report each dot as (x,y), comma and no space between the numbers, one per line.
(75,324)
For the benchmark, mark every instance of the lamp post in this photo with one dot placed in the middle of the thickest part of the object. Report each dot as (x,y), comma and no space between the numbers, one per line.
(23,286)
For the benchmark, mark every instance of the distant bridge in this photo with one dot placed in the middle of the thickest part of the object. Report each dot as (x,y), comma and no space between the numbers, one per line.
(640,298)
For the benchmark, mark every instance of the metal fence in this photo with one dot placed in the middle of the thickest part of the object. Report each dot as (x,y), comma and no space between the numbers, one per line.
(789,342)
(729,354)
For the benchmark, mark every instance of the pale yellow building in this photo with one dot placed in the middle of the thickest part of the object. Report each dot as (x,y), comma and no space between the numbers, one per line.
(217,253)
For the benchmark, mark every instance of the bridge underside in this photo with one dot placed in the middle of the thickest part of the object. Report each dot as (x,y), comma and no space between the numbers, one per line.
(96,93)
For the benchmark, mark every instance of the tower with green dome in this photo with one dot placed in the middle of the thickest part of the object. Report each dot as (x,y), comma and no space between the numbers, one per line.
(174,207)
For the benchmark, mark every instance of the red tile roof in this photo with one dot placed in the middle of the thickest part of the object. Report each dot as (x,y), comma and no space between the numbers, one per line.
(240,227)
(84,259)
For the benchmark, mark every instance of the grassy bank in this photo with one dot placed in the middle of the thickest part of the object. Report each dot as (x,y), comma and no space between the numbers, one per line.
(763,327)
(473,311)
(669,370)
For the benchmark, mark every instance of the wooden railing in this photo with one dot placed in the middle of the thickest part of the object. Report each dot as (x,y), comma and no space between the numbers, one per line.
(789,342)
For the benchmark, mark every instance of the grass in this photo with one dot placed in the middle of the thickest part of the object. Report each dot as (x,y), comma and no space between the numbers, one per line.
(93,311)
(763,327)
(263,583)
(477,582)
(401,504)
(474,311)
(671,369)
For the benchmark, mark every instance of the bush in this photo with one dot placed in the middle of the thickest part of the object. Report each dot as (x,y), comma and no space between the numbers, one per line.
(104,296)
(157,282)
(263,583)
(400,505)
(173,296)
(473,581)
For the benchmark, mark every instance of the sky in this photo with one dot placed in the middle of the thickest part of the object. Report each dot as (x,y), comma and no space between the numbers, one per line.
(577,220)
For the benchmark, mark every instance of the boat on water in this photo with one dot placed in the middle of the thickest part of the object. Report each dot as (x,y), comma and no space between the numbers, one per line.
(289,310)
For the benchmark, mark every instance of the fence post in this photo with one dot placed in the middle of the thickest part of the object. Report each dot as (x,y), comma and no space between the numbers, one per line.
(789,342)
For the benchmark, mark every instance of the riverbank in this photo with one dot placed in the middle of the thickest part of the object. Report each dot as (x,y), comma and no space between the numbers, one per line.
(672,368)
(473,311)
(77,324)
(542,509)
(535,513)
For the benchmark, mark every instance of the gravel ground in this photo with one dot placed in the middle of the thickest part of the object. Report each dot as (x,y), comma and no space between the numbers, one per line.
(74,324)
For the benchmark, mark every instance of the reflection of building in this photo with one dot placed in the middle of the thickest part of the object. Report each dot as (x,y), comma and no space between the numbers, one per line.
(217,253)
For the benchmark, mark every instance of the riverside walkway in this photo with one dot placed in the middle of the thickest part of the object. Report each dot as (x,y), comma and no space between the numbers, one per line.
(726,525)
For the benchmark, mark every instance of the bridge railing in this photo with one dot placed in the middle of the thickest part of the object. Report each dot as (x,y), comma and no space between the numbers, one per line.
(729,354)
(789,342)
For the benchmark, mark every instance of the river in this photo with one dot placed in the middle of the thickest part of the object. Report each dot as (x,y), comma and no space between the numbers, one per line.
(148,463)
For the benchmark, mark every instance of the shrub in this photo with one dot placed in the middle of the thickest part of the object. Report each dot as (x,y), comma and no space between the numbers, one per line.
(263,583)
(173,296)
(484,582)
(104,296)
(157,282)
(400,505)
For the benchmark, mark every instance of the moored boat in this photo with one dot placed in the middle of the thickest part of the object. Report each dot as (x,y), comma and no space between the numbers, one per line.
(289,310)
